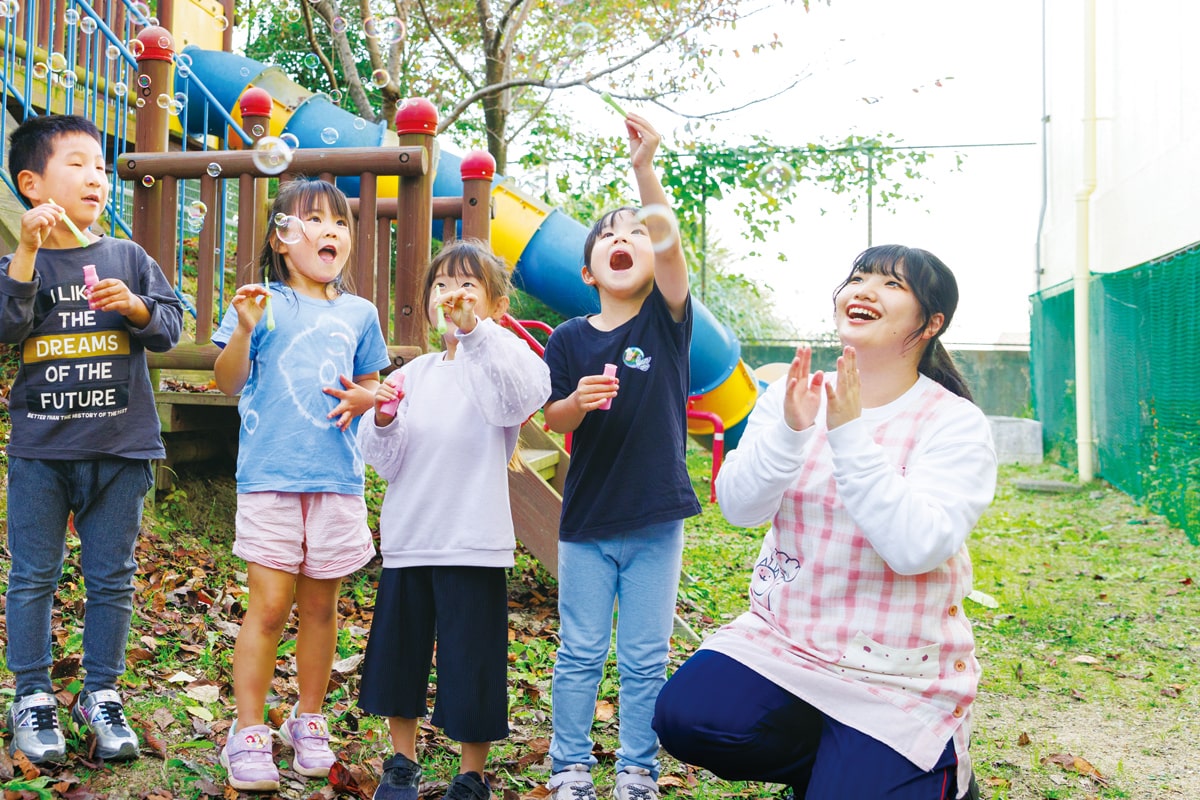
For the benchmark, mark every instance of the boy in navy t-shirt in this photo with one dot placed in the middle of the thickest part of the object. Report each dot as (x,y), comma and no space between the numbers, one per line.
(627,490)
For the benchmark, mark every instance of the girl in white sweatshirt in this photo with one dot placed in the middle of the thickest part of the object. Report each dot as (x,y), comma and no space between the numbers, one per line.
(446,530)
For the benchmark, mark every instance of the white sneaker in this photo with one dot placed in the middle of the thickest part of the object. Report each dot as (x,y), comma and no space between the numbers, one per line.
(635,783)
(572,783)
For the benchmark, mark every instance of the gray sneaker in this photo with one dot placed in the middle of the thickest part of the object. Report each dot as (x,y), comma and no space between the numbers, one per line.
(33,723)
(572,783)
(104,714)
(635,783)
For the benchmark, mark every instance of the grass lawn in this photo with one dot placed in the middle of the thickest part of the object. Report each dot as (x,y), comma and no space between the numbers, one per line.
(1086,628)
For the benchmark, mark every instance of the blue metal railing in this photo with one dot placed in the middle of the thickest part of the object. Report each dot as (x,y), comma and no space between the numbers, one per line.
(96,70)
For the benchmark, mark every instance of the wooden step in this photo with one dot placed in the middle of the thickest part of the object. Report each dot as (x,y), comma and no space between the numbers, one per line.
(543,462)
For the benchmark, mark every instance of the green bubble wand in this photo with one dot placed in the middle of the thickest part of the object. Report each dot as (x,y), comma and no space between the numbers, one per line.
(79,237)
(608,98)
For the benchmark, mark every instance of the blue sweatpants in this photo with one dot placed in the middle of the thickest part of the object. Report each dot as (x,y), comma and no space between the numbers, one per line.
(717,713)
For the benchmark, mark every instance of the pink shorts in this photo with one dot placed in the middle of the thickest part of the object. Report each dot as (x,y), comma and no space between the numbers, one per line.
(321,535)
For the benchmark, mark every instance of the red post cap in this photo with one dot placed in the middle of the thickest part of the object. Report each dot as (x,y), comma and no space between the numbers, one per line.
(478,165)
(416,115)
(255,102)
(157,44)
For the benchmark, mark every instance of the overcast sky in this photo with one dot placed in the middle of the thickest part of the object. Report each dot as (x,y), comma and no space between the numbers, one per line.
(982,220)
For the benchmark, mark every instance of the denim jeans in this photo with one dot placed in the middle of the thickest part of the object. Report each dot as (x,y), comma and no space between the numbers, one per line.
(639,571)
(107,497)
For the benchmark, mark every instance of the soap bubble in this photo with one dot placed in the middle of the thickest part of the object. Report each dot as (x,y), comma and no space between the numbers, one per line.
(147,181)
(258,130)
(391,30)
(9,8)
(197,208)
(183,60)
(222,22)
(776,177)
(662,225)
(271,155)
(380,78)
(58,62)
(293,14)
(140,10)
(329,135)
(290,140)
(119,89)
(164,42)
(289,229)
(359,123)
(371,27)
(583,34)
(163,100)
(68,79)
(140,102)
(71,16)
(338,24)
(112,52)
(335,95)
(214,169)
(311,61)
(143,81)
(87,25)
(135,47)
(40,70)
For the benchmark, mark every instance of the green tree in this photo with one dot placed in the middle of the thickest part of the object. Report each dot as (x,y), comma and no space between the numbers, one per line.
(494,69)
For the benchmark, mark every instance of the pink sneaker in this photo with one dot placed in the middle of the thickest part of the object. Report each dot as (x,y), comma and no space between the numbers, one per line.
(308,736)
(248,760)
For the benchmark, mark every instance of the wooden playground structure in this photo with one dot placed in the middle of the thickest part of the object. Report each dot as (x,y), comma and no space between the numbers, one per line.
(394,240)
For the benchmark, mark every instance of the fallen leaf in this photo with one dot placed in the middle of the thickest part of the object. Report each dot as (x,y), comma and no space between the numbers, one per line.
(181,677)
(604,710)
(1023,740)
(203,692)
(202,713)
(1085,660)
(347,665)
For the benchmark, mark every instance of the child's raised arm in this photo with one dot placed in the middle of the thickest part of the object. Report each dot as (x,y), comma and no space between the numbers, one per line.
(670,266)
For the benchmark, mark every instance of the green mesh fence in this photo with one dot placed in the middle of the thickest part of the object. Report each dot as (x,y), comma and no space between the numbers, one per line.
(1145,362)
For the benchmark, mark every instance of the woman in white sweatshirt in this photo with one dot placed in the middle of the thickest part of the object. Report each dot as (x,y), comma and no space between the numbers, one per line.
(853,672)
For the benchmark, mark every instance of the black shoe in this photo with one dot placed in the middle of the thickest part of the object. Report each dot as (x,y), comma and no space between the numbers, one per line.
(467,786)
(401,779)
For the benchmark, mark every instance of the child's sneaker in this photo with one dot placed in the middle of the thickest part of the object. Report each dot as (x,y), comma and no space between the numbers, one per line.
(572,783)
(467,786)
(635,783)
(103,713)
(308,736)
(401,779)
(248,759)
(33,723)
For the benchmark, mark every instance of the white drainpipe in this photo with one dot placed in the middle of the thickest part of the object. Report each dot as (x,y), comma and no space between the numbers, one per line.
(1083,371)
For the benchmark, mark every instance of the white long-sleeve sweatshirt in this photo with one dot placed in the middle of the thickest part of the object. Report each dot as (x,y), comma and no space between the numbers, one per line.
(856,599)
(445,455)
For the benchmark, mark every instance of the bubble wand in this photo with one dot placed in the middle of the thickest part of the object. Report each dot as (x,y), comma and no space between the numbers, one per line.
(79,237)
(267,302)
(441,316)
(608,98)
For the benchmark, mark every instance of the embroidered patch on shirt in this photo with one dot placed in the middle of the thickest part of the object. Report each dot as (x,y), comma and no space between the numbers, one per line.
(634,357)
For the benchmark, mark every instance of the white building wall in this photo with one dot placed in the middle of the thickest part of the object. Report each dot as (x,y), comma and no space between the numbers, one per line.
(1147,198)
